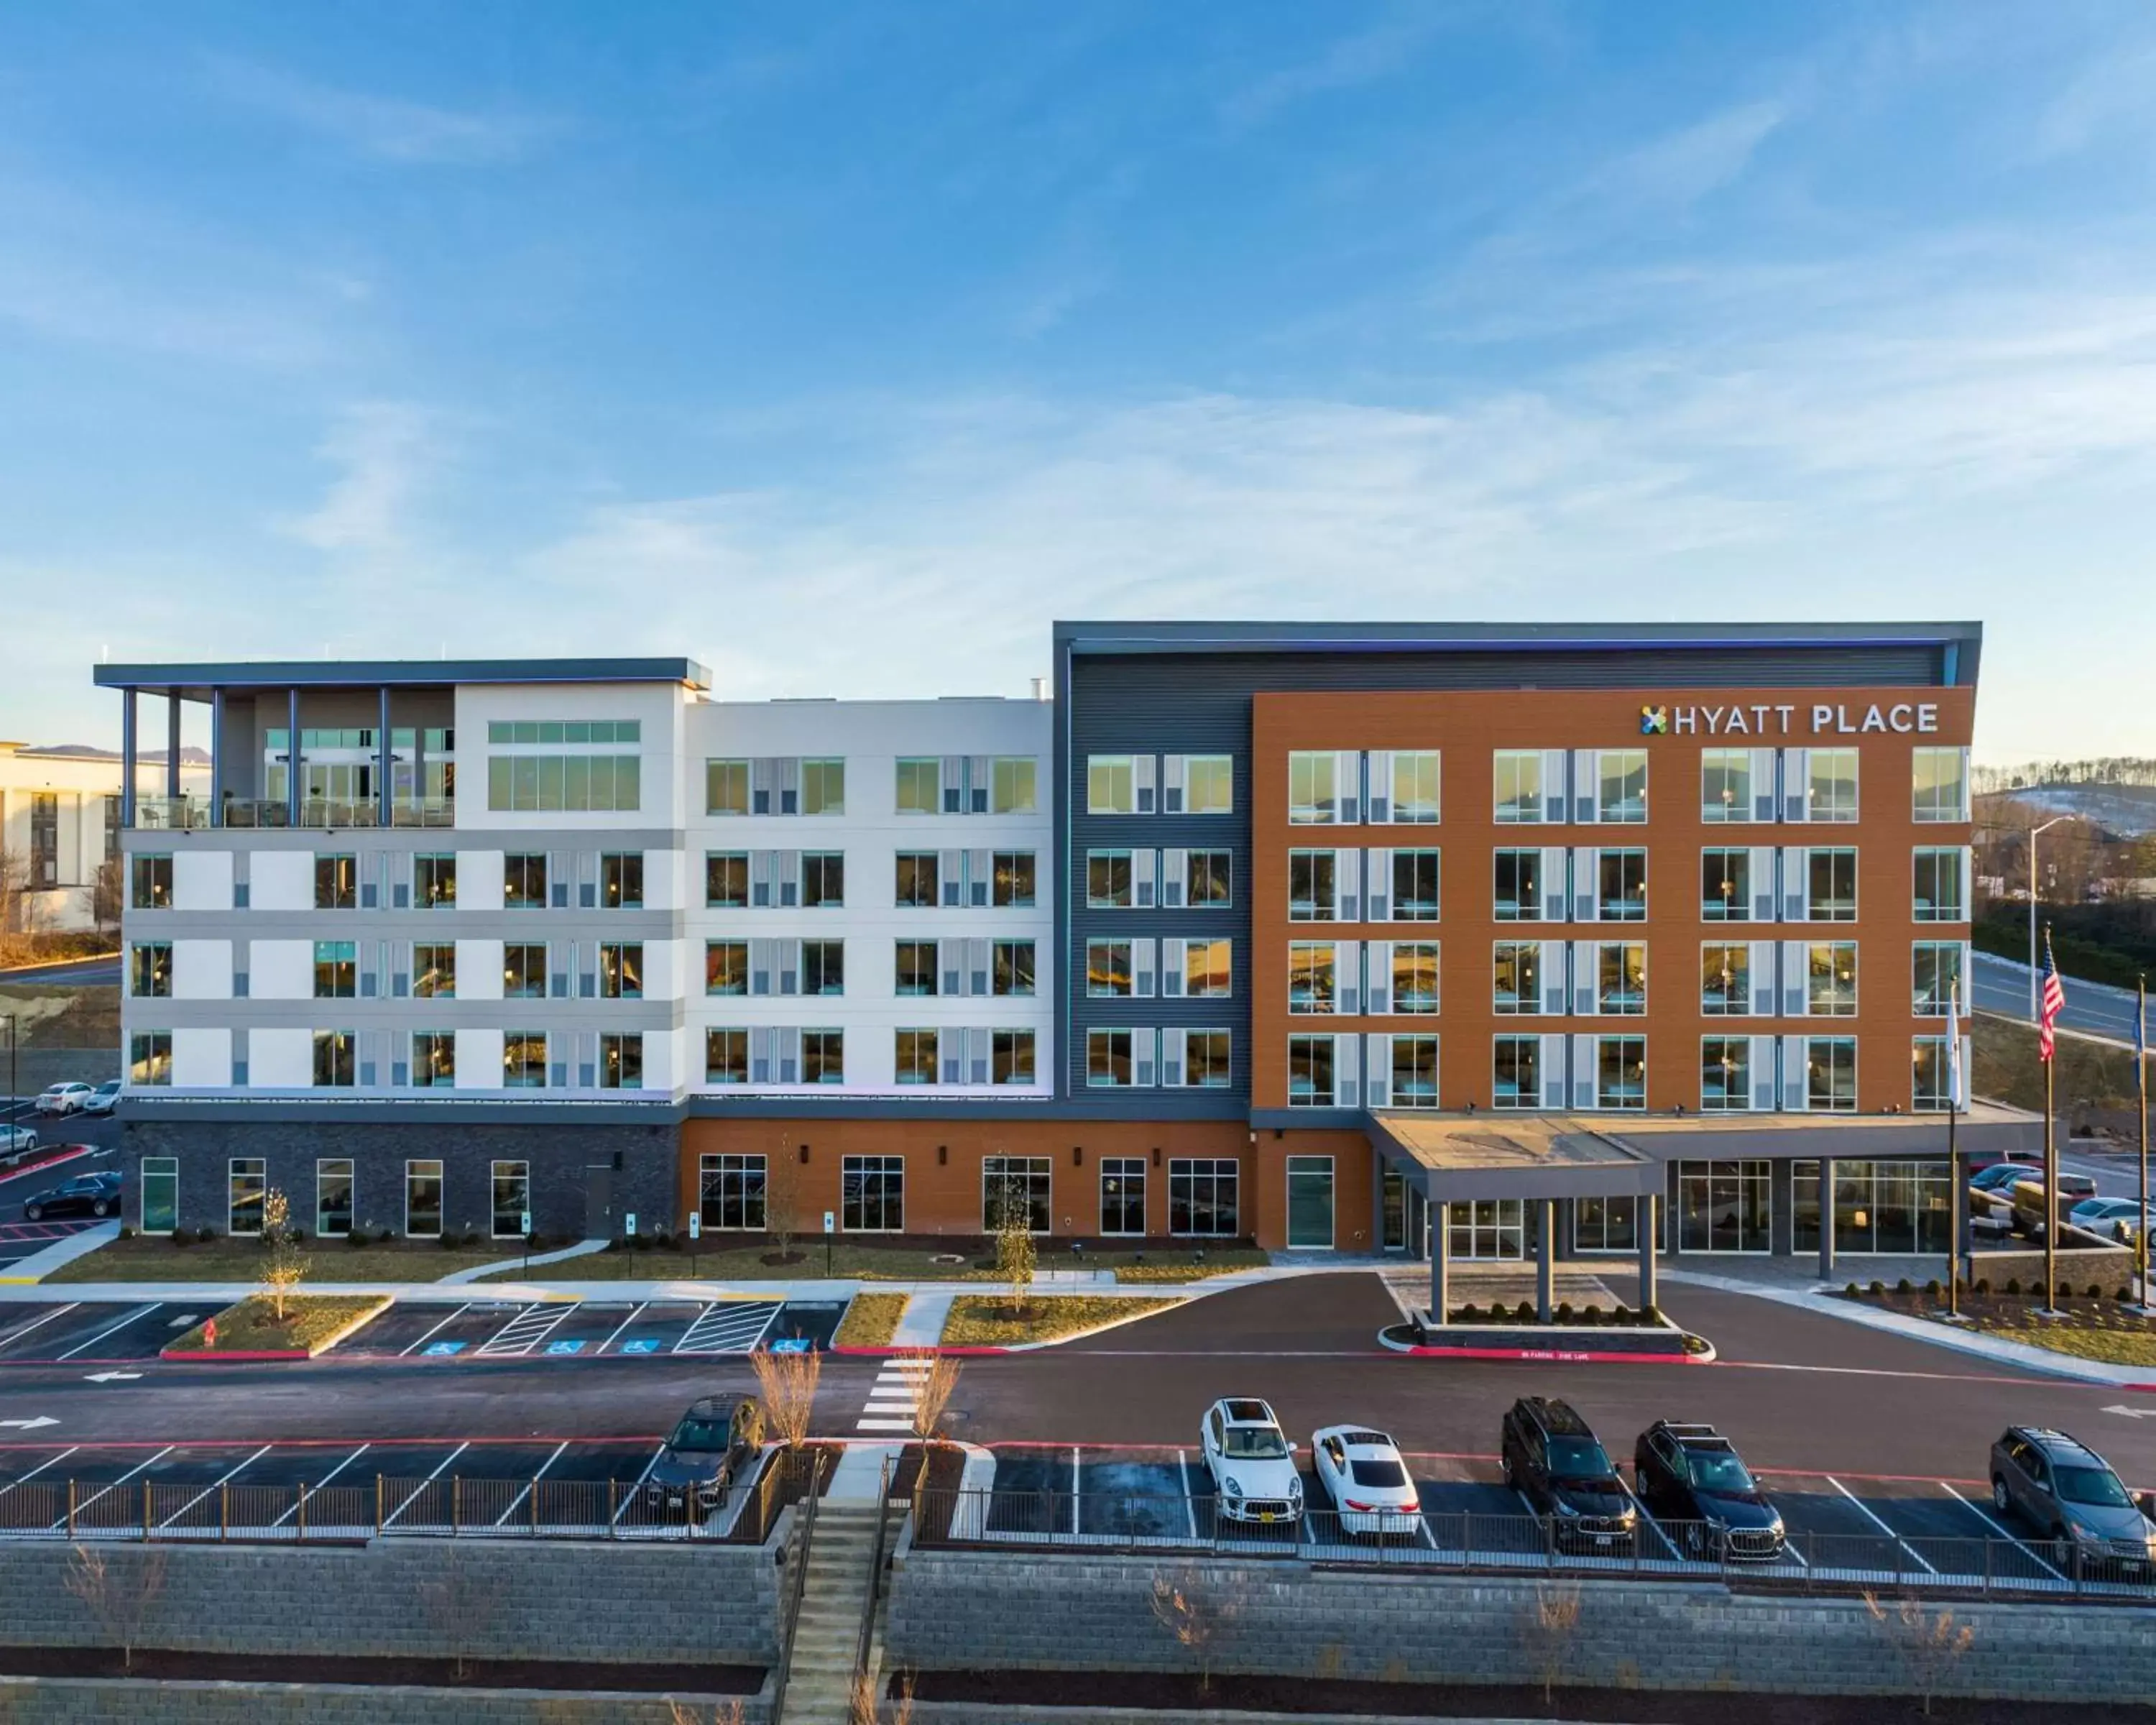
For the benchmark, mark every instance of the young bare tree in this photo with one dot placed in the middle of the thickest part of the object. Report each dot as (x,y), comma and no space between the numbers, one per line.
(930,1381)
(1196,1614)
(1929,1644)
(722,1712)
(119,1589)
(789,1381)
(865,1708)
(1016,1260)
(462,1606)
(782,1199)
(1554,1626)
(284,1265)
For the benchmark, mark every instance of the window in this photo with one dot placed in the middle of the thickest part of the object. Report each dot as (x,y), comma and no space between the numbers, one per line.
(524,1060)
(333,1058)
(44,839)
(336,970)
(1517,979)
(621,1061)
(1725,1073)
(1107,1059)
(1622,875)
(1516,1072)
(1935,977)
(435,882)
(1605,1225)
(1205,1059)
(726,1056)
(1312,794)
(1725,885)
(1014,785)
(621,971)
(1930,1076)
(1518,896)
(920,785)
(1725,978)
(1414,787)
(1620,1072)
(1310,886)
(1832,876)
(512,1198)
(524,971)
(726,787)
(1725,1206)
(1621,785)
(1310,1072)
(725,967)
(150,967)
(822,966)
(726,878)
(434,970)
(1878,1206)
(1202,1197)
(823,1056)
(1208,968)
(246,1181)
(1108,881)
(822,880)
(1310,976)
(1122,1194)
(916,971)
(621,880)
(1208,784)
(1414,976)
(1830,990)
(1013,873)
(1111,784)
(730,1192)
(1518,774)
(1310,1202)
(1939,893)
(1940,782)
(524,882)
(1011,1056)
(824,787)
(336,883)
(150,1057)
(916,1058)
(1415,1072)
(152,877)
(161,1194)
(1415,886)
(872,1194)
(542,784)
(1725,785)
(526,732)
(1011,967)
(916,880)
(1015,1188)
(1830,791)
(434,1060)
(1621,978)
(1108,969)
(1208,873)
(1830,1074)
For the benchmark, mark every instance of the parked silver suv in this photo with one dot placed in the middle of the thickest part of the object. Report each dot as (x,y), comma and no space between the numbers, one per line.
(2070,1493)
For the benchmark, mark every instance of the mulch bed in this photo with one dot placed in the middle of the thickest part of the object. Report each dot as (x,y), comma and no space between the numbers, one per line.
(1183,1693)
(155,1665)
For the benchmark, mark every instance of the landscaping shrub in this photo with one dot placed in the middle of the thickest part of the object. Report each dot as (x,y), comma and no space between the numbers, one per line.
(384,1236)
(356,1239)
(1879,1290)
(126,1231)
(1851,1291)
(1902,1286)
(205,1235)
(1622,1314)
(664,1239)
(181,1237)
(1932,1288)
(2094,1292)
(1470,1313)
(1564,1312)
(2124,1295)
(2013,1286)
(1984,1285)
(1526,1313)
(1590,1315)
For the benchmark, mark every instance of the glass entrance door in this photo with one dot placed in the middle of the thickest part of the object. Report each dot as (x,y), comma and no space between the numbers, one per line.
(1393,1220)
(1309,1203)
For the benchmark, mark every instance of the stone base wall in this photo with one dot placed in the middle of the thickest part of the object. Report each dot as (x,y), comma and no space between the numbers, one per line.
(952,1610)
(86,1701)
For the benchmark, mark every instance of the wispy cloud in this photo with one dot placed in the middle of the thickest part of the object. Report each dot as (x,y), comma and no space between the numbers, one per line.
(1686,165)
(385,128)
(2115,93)
(386,450)
(1384,50)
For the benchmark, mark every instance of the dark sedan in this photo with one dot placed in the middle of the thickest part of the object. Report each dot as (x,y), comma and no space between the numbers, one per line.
(84,1195)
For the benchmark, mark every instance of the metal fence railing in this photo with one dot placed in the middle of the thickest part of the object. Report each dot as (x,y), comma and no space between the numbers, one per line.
(1464,1540)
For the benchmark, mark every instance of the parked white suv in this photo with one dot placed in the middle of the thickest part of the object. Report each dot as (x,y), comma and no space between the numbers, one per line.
(1251,1461)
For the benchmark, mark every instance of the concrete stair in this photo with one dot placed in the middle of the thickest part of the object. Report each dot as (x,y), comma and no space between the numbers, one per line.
(826,1633)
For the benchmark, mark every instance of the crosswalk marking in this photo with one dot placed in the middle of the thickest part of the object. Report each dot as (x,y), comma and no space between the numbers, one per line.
(892,1395)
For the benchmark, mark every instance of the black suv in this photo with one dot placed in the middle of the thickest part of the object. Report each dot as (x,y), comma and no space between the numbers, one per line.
(1552,1457)
(714,1447)
(1692,1474)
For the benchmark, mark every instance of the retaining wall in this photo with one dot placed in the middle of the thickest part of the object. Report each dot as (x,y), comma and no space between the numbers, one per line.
(85,1701)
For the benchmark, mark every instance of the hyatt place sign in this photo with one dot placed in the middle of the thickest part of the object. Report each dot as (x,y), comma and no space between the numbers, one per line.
(1908,717)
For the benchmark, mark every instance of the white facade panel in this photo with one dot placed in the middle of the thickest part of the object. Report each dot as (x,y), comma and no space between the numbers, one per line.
(479,970)
(281,970)
(478,1060)
(279,1059)
(202,1058)
(202,879)
(201,970)
(281,881)
(478,879)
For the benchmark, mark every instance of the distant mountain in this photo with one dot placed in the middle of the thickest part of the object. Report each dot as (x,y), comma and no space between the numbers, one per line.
(2128,810)
(190,756)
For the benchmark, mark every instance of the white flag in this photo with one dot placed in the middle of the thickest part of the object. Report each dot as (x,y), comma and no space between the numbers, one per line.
(1955,1099)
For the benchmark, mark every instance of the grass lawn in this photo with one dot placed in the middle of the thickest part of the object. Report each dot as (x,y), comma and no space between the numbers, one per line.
(154,1257)
(2091,1329)
(986,1321)
(2006,1068)
(871,1321)
(311,1321)
(869,1263)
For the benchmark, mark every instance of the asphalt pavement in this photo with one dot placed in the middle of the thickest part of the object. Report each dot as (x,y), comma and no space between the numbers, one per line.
(2001,986)
(87,973)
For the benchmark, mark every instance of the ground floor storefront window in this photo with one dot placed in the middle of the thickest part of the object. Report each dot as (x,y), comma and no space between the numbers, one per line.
(1605,1224)
(512,1198)
(1122,1194)
(333,1182)
(1310,1202)
(1878,1206)
(1488,1228)
(872,1194)
(1725,1206)
(423,1200)
(730,1192)
(1202,1196)
(245,1187)
(1016,1185)
(160,1193)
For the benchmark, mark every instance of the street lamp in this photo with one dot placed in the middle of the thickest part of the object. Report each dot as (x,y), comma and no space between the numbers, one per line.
(2056,820)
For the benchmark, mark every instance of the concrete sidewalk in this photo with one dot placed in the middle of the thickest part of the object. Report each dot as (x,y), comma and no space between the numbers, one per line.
(46,1259)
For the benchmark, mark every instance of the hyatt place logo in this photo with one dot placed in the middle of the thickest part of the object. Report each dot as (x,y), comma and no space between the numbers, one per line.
(1654,721)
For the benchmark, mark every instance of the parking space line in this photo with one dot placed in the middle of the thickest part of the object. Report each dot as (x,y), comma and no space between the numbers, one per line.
(2001,1531)
(1640,1509)
(527,1330)
(15,1336)
(49,1461)
(215,1484)
(430,1334)
(728,1327)
(1869,1515)
(622,1325)
(140,1312)
(323,1482)
(520,1497)
(1189,1504)
(427,1481)
(636,1490)
(123,1479)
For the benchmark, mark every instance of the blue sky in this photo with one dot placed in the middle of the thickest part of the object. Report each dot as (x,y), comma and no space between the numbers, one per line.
(846,345)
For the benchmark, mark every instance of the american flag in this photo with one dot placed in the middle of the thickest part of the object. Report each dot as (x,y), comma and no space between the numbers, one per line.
(2053,1004)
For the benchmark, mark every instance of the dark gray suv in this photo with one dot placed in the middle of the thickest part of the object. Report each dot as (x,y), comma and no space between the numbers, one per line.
(2069,1493)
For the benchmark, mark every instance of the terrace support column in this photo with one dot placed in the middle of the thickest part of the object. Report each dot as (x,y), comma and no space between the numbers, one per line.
(217,758)
(171,745)
(1649,1220)
(127,757)
(293,799)
(385,769)
(1545,1260)
(1440,1264)
(1826,1219)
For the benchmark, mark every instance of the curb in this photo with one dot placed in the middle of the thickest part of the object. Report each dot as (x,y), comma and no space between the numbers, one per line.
(969,1352)
(37,1160)
(1564,1356)
(237,1355)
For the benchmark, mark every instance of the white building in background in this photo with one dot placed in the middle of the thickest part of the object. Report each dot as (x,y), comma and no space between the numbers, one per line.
(59,824)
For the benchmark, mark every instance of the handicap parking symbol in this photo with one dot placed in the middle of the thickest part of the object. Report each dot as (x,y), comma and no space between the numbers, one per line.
(791,1344)
(445,1347)
(565,1347)
(642,1344)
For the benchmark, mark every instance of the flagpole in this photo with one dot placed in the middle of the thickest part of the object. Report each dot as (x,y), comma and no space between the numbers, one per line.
(2141,1085)
(2050,1180)
(1957,1176)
